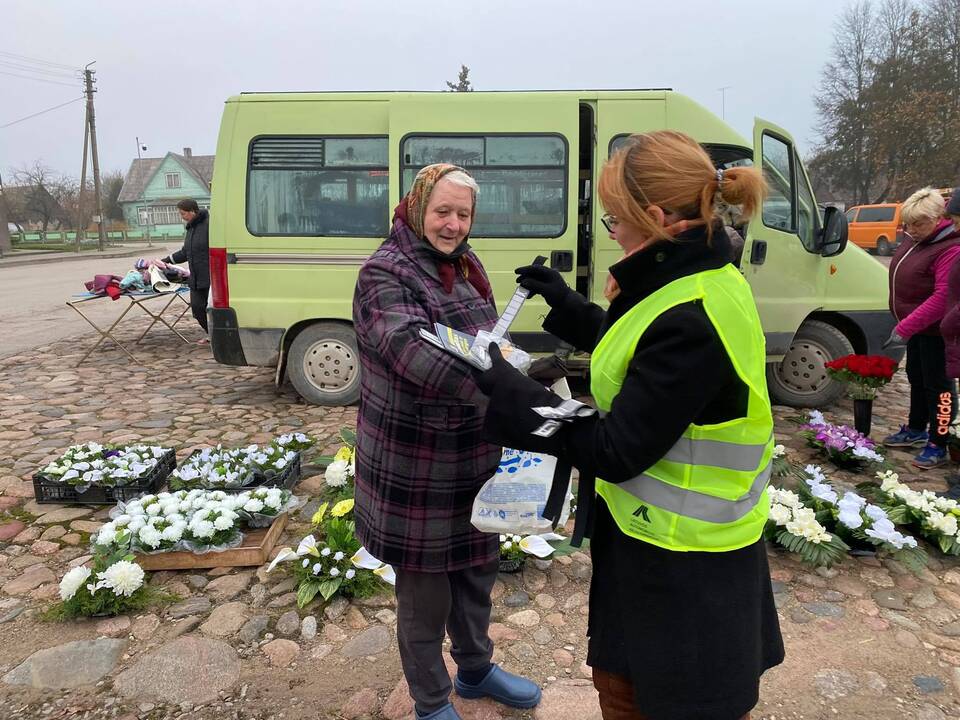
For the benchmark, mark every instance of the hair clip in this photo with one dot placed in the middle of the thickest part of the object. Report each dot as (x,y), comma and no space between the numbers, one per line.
(719,175)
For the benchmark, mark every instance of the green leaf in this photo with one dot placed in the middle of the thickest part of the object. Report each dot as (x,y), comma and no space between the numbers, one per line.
(348,436)
(563,547)
(328,588)
(306,592)
(323,460)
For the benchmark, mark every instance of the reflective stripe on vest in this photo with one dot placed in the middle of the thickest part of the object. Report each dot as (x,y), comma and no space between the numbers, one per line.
(742,458)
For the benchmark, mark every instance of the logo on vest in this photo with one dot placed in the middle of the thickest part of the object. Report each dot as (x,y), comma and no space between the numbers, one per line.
(642,512)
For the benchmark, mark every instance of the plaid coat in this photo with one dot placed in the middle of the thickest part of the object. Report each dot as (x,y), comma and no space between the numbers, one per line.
(420,457)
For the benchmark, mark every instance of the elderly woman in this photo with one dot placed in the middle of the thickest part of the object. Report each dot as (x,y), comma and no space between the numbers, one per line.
(919,274)
(682,620)
(421,457)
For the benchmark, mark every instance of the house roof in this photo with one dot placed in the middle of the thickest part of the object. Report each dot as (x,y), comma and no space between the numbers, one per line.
(142,171)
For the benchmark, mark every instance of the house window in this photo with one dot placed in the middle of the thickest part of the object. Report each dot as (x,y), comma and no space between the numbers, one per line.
(522,179)
(318,186)
(160,215)
(173,180)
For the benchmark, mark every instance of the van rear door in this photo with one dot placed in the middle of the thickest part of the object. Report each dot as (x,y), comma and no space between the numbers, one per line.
(522,150)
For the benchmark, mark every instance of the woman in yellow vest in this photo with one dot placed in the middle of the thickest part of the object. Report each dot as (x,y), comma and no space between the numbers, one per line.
(682,619)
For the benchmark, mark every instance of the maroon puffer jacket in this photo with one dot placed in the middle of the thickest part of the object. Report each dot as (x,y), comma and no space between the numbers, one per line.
(912,276)
(950,325)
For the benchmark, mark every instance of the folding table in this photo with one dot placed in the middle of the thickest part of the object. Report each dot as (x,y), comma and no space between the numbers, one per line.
(138,300)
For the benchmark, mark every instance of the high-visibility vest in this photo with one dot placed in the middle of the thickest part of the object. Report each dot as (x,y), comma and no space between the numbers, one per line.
(708,493)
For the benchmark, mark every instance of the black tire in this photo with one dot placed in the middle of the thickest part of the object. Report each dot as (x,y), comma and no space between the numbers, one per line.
(883,247)
(324,364)
(800,379)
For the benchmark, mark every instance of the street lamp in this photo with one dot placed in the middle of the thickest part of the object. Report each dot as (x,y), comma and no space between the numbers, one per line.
(143,191)
(723,101)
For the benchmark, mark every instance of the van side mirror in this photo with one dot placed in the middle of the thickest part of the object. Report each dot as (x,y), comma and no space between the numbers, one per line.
(833,236)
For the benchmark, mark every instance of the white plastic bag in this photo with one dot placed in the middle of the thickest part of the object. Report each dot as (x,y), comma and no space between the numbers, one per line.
(512,501)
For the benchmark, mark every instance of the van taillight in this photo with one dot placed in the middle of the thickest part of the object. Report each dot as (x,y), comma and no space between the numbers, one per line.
(218,278)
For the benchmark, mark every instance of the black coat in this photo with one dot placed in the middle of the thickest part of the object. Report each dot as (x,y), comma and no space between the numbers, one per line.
(693,630)
(196,251)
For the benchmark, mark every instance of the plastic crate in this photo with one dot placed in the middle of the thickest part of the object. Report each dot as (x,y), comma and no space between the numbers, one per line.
(46,490)
(286,478)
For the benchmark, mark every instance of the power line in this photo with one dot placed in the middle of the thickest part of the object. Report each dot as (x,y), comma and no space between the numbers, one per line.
(37,70)
(37,61)
(55,107)
(27,77)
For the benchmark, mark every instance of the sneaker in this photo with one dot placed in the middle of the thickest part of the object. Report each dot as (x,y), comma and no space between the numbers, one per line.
(930,457)
(906,437)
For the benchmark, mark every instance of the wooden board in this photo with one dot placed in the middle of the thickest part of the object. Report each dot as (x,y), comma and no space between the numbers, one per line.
(253,551)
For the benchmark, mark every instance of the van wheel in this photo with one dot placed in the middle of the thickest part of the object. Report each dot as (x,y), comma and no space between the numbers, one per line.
(883,246)
(801,379)
(324,364)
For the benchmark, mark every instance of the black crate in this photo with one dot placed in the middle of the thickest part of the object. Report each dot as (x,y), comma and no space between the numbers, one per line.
(47,490)
(286,478)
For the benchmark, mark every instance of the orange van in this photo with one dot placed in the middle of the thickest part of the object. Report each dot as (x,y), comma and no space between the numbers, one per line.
(875,228)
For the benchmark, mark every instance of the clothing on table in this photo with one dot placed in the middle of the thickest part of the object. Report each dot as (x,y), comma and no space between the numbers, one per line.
(133,280)
(430,604)
(919,280)
(933,396)
(105,285)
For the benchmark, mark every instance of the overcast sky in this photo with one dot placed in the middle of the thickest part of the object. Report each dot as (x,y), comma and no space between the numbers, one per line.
(165,68)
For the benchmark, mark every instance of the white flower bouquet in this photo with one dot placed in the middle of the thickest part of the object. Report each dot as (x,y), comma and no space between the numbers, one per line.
(514,549)
(857,521)
(927,514)
(341,467)
(91,464)
(114,585)
(795,527)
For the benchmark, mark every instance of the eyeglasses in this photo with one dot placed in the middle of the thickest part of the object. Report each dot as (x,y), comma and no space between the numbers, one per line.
(609,222)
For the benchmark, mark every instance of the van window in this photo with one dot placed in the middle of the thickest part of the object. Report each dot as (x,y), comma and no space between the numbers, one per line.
(808,214)
(851,214)
(876,214)
(318,186)
(778,209)
(522,179)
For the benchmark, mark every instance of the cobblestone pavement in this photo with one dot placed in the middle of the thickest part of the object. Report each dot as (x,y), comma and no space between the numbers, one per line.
(868,639)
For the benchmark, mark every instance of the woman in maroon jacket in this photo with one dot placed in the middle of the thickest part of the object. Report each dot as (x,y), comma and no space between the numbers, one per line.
(918,300)
(950,325)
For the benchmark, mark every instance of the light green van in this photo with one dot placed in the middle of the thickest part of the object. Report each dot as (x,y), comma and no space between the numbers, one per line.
(305,183)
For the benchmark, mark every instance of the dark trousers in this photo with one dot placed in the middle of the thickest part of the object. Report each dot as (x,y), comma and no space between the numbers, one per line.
(933,396)
(429,604)
(616,697)
(198,304)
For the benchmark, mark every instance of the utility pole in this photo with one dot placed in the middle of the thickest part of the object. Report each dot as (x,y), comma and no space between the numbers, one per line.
(5,244)
(143,192)
(81,226)
(723,101)
(92,127)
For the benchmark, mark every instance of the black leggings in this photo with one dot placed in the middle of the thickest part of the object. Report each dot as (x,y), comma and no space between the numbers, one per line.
(933,396)
(198,304)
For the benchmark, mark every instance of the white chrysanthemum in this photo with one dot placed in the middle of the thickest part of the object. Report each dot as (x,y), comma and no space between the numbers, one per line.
(253,505)
(325,552)
(73,581)
(173,533)
(349,574)
(779,451)
(317,567)
(507,545)
(780,514)
(223,522)
(202,529)
(107,534)
(123,577)
(338,556)
(336,473)
(150,536)
(334,572)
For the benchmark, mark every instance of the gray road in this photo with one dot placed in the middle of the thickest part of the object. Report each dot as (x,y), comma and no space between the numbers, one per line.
(32,297)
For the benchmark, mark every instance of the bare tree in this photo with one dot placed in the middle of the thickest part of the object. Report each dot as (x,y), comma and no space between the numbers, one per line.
(43,196)
(463,81)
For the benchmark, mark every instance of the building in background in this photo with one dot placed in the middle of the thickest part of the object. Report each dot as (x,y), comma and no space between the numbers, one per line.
(154,186)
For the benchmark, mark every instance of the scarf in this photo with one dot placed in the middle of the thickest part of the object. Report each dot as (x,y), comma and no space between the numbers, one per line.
(411,211)
(612,287)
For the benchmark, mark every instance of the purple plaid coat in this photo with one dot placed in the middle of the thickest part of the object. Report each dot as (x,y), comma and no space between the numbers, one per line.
(421,458)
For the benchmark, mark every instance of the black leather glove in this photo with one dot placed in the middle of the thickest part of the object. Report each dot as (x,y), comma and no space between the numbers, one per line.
(510,419)
(542,280)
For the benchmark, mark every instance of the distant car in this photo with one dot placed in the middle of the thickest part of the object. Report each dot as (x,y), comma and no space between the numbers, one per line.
(875,228)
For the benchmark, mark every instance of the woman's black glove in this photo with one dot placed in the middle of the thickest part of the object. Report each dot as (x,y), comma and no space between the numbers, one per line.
(542,280)
(511,419)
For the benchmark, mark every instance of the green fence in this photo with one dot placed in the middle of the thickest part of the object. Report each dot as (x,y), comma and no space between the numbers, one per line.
(58,237)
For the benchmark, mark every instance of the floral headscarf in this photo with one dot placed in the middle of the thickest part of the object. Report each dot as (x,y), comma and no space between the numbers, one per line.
(419,195)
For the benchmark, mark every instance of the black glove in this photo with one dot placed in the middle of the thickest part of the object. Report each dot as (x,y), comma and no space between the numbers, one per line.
(510,419)
(542,280)
(894,339)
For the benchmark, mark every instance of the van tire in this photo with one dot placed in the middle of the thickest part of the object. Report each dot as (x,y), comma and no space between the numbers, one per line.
(883,247)
(323,364)
(801,379)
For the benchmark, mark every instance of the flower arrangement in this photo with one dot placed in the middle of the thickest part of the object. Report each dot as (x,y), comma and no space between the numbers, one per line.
(341,467)
(514,549)
(195,520)
(795,527)
(856,520)
(338,565)
(865,374)
(93,464)
(114,585)
(929,515)
(238,467)
(841,444)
